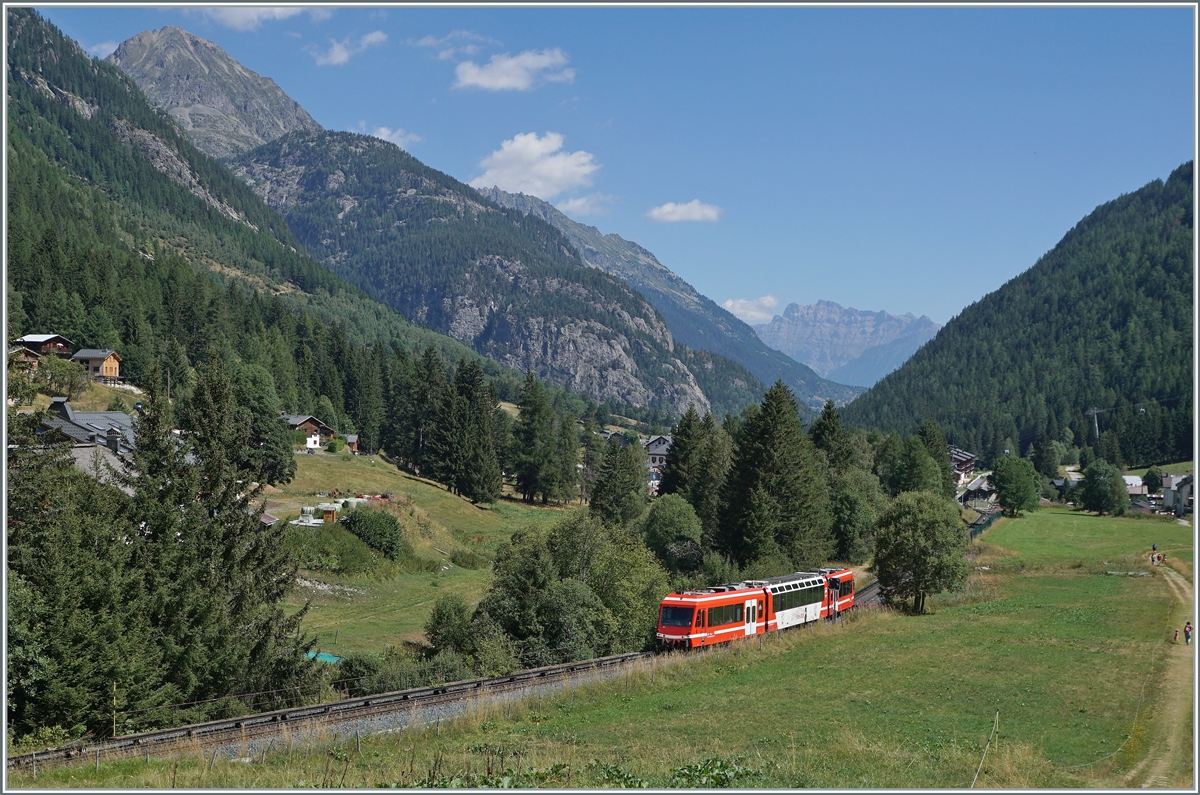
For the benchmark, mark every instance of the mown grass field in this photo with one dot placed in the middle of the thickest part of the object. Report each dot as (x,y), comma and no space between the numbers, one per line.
(1066,654)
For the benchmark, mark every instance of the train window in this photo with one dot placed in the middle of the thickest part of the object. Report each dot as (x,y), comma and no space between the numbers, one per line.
(677,616)
(848,586)
(726,614)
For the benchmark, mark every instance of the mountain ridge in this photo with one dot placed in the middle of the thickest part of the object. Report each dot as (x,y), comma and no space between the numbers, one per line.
(224,107)
(695,320)
(859,346)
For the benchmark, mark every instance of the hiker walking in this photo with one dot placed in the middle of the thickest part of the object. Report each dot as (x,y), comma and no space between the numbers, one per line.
(1176,635)
(1187,633)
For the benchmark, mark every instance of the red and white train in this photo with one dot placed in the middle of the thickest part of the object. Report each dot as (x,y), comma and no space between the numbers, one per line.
(719,614)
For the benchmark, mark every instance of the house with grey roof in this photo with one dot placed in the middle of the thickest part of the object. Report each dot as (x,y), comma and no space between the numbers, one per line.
(102,364)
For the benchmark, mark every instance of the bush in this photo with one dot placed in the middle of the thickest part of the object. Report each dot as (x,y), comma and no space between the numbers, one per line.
(335,445)
(449,624)
(379,530)
(466,559)
(329,547)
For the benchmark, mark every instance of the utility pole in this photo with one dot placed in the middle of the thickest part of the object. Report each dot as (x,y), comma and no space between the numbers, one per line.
(1094,413)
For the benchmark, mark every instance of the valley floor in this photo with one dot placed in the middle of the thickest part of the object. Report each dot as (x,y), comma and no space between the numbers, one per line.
(1079,664)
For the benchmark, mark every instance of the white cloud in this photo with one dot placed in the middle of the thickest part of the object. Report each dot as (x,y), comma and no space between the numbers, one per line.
(695,210)
(246,19)
(519,72)
(340,52)
(752,310)
(103,49)
(399,136)
(528,164)
(592,204)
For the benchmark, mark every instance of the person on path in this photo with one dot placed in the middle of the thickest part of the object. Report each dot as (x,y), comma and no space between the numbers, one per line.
(1176,635)
(1187,633)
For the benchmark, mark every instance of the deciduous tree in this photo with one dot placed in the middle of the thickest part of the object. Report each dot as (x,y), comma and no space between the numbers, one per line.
(919,546)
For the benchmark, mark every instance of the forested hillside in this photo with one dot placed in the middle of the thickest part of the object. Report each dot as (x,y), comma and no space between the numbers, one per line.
(504,283)
(1103,320)
(122,235)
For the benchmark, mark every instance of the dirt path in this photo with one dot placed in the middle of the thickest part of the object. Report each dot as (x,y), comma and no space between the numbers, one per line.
(1169,762)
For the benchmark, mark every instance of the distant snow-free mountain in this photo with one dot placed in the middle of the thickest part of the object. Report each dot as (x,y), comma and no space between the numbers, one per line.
(225,108)
(847,345)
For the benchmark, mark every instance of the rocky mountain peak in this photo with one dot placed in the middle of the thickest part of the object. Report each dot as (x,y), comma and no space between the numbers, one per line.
(225,108)
(845,344)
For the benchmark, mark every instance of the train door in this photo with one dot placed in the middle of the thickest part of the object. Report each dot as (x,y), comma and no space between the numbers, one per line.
(751,609)
(835,594)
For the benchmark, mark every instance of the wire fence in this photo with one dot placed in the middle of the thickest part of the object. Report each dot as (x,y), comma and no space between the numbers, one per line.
(982,523)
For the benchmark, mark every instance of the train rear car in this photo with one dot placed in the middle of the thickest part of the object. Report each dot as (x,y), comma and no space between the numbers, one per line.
(839,591)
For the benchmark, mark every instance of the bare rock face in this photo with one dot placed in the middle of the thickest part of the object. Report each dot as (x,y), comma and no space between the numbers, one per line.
(846,344)
(225,108)
(694,320)
(442,255)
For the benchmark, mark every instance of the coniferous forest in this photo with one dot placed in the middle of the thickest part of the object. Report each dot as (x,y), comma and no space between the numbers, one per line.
(1103,320)
(168,589)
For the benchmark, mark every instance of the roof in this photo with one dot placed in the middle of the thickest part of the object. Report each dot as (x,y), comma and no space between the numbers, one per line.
(36,338)
(95,353)
(1132,480)
(90,427)
(295,420)
(351,438)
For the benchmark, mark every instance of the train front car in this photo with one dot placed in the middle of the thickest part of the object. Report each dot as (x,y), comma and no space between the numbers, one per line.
(712,615)
(677,622)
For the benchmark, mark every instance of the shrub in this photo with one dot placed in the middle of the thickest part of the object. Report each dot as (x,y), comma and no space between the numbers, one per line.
(466,559)
(330,548)
(378,530)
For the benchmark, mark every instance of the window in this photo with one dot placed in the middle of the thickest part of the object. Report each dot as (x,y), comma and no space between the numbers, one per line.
(797,598)
(726,614)
(677,616)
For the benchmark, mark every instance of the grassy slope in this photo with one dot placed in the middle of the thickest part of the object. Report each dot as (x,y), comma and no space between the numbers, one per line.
(367,612)
(1060,649)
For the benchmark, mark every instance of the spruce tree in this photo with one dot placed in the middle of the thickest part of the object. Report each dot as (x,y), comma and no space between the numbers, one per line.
(714,458)
(829,436)
(619,495)
(678,472)
(533,441)
(935,443)
(593,457)
(478,477)
(775,466)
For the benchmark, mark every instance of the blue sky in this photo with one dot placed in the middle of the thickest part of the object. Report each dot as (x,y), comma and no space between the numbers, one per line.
(904,159)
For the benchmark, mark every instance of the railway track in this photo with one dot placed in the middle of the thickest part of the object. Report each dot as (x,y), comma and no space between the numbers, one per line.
(249,735)
(868,595)
(252,733)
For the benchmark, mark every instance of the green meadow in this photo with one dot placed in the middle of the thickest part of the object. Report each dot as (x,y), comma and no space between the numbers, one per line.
(381,605)
(1062,658)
